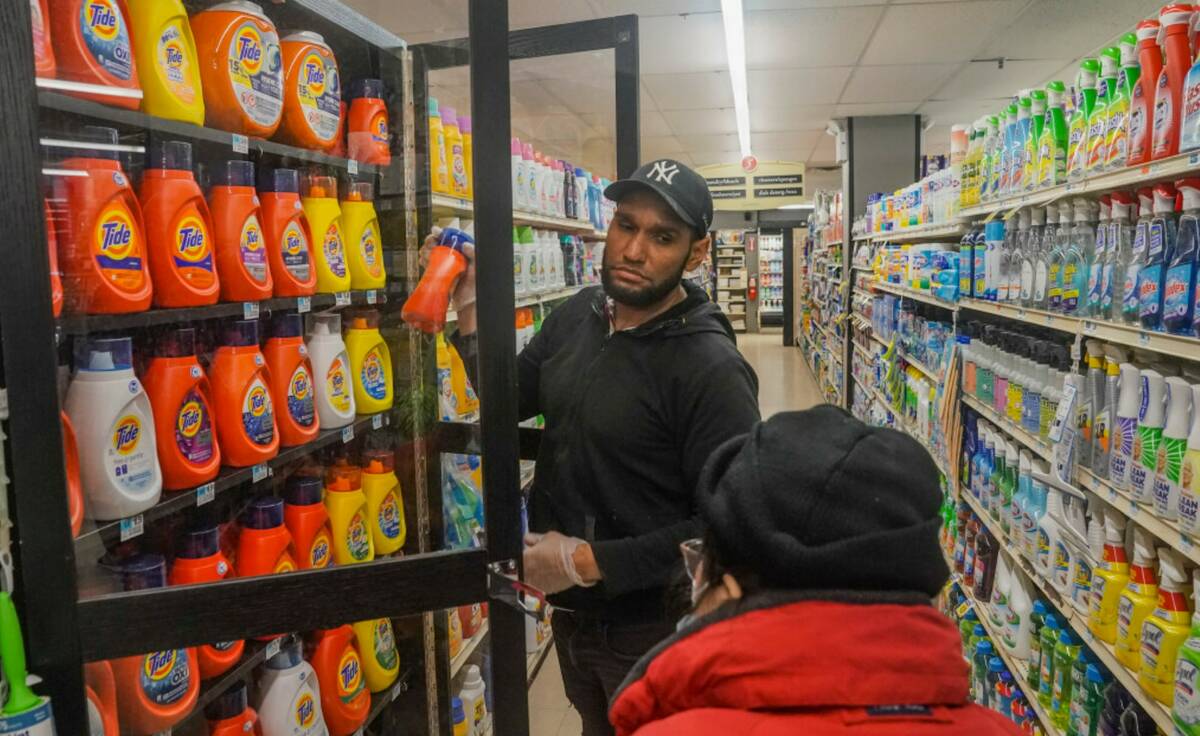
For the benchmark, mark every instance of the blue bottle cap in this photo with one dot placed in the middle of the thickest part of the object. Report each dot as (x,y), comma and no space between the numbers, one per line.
(1005,676)
(371,89)
(1052,621)
(284,181)
(995,664)
(1066,638)
(235,173)
(984,647)
(971,615)
(240,333)
(178,343)
(457,714)
(143,571)
(434,110)
(289,656)
(229,704)
(264,512)
(580,172)
(200,543)
(978,631)
(304,490)
(173,155)
(289,324)
(104,354)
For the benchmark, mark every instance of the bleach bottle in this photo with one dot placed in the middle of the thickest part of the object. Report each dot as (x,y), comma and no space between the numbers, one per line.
(331,369)
(1160,250)
(1179,289)
(114,426)
(246,424)
(290,699)
(181,398)
(1189,473)
(1169,462)
(1151,417)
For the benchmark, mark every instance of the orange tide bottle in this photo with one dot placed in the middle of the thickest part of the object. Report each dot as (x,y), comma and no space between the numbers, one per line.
(56,290)
(102,241)
(285,228)
(101,691)
(291,381)
(156,690)
(74,483)
(182,400)
(312,92)
(179,231)
(425,309)
(198,559)
(345,699)
(367,130)
(246,425)
(263,544)
(307,520)
(44,65)
(92,45)
(230,714)
(240,68)
(241,248)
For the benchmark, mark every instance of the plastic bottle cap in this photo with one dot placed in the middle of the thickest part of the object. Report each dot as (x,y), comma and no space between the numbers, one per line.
(343,477)
(104,354)
(289,324)
(304,490)
(449,117)
(434,111)
(264,512)
(995,664)
(1051,621)
(279,180)
(241,333)
(464,124)
(317,186)
(173,155)
(984,648)
(230,704)
(233,173)
(360,191)
(1094,674)
(365,319)
(197,544)
(365,89)
(378,461)
(289,656)
(457,714)
(473,679)
(178,343)
(326,324)
(143,571)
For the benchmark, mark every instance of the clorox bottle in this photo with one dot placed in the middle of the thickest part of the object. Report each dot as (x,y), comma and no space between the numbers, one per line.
(290,703)
(184,420)
(377,645)
(167,65)
(370,363)
(363,237)
(179,229)
(92,45)
(348,517)
(325,221)
(114,425)
(331,371)
(307,520)
(240,244)
(344,696)
(245,413)
(384,504)
(292,381)
(198,559)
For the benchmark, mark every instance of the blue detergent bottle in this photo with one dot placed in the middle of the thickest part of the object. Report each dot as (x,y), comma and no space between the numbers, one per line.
(1180,283)
(1160,249)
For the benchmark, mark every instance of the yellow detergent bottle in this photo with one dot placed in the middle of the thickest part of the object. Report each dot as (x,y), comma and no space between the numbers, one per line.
(167,65)
(347,508)
(384,505)
(1109,579)
(370,363)
(1165,630)
(325,222)
(377,647)
(439,172)
(1137,601)
(363,238)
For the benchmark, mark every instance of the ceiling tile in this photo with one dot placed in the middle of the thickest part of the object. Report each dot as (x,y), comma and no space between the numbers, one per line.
(692,122)
(708,143)
(782,153)
(950,112)
(785,139)
(986,81)
(805,117)
(769,88)
(816,37)
(583,95)
(592,66)
(553,127)
(875,108)
(1067,28)
(690,91)
(660,146)
(653,123)
(692,43)
(896,83)
(798,4)
(926,34)
(825,151)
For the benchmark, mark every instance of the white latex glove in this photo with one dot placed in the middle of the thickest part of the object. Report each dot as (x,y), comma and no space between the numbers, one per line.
(464,290)
(549,564)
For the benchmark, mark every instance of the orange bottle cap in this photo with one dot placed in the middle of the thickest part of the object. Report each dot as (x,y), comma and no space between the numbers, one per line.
(378,461)
(343,477)
(360,191)
(365,319)
(318,186)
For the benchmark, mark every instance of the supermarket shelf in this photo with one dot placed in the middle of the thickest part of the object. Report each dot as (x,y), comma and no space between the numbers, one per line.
(926,232)
(863,351)
(444,205)
(877,395)
(468,648)
(1034,443)
(536,299)
(255,654)
(534,660)
(929,372)
(920,296)
(911,432)
(381,700)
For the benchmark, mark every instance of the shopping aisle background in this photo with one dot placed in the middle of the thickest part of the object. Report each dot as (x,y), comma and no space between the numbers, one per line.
(784,383)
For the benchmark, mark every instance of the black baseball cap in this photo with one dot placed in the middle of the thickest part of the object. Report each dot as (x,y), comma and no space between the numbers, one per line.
(684,191)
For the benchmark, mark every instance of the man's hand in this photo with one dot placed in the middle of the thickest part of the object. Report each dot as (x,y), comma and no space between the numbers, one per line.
(555,562)
(462,299)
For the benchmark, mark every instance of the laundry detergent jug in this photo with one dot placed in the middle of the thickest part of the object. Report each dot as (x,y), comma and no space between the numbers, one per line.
(230,715)
(291,381)
(331,371)
(289,698)
(344,696)
(179,230)
(184,422)
(307,520)
(263,543)
(285,228)
(312,92)
(198,559)
(74,484)
(167,66)
(370,363)
(245,414)
(363,237)
(367,134)
(384,505)
(44,64)
(241,68)
(377,645)
(240,245)
(348,516)
(92,45)
(325,221)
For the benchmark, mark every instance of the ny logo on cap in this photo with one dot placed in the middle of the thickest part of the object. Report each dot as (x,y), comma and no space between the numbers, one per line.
(663,171)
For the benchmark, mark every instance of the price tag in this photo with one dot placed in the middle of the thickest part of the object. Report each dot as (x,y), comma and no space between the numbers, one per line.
(1185,542)
(352,167)
(241,144)
(303,304)
(1133,508)
(1112,496)
(342,299)
(260,472)
(372,296)
(396,690)
(962,609)
(347,433)
(206,493)
(1049,319)
(249,310)
(377,421)
(273,647)
(1020,314)
(132,526)
(1194,158)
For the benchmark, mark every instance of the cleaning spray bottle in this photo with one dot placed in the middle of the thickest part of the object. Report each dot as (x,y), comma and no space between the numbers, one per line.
(1093,383)
(1160,250)
(1131,304)
(1018,147)
(1116,137)
(1118,252)
(1137,600)
(1048,537)
(1168,464)
(1077,127)
(1102,425)
(1066,652)
(25,713)
(1033,137)
(1106,90)
(1124,434)
(1052,144)
(1035,509)
(1179,287)
(1165,630)
(1151,418)
(1109,579)
(1087,561)
(1176,24)
(1189,473)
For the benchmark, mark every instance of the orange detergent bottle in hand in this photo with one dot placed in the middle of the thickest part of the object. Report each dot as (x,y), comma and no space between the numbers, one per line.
(241,68)
(345,699)
(230,714)
(426,306)
(308,521)
(181,398)
(292,388)
(74,484)
(44,65)
(102,238)
(92,45)
(312,92)
(178,229)
(367,133)
(262,547)
(198,559)
(246,425)
(285,228)
(241,247)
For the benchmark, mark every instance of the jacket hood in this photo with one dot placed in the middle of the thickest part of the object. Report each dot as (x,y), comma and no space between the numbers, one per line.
(695,314)
(787,652)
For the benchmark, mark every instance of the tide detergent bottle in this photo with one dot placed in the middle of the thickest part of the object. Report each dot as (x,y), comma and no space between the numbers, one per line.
(285,228)
(56,289)
(345,699)
(1109,579)
(347,506)
(312,92)
(241,68)
(384,505)
(363,238)
(325,221)
(118,454)
(1165,630)
(157,690)
(198,559)
(290,700)
(331,371)
(307,520)
(1176,23)
(370,363)
(1185,711)
(439,171)
(44,64)
(102,239)
(74,484)
(377,645)
(1142,104)
(167,65)
(183,412)
(101,692)
(230,714)
(367,136)
(292,381)
(92,45)
(179,230)
(240,245)
(262,547)
(246,417)
(426,307)
(1137,601)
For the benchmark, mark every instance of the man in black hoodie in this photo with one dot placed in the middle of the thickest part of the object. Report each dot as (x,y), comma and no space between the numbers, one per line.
(639,381)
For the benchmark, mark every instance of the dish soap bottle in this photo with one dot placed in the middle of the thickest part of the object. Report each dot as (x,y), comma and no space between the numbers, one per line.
(1165,630)
(1137,601)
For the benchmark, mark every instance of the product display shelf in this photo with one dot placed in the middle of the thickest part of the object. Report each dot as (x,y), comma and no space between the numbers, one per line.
(239,144)
(381,700)
(920,296)
(1166,169)
(910,430)
(255,654)
(82,324)
(924,232)
(1031,441)
(879,396)
(533,300)
(447,206)
(174,502)
(534,660)
(863,352)
(929,372)
(468,648)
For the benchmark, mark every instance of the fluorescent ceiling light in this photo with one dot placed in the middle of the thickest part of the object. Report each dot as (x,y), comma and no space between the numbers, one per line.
(796,207)
(735,48)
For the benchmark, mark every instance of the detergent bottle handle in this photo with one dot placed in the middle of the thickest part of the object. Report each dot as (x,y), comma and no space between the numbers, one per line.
(12,659)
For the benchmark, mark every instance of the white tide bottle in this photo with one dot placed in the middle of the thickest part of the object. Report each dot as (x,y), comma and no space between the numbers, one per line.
(331,371)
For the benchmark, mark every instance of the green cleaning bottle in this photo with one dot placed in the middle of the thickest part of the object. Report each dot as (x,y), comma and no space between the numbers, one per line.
(1052,143)
(1106,89)
(1117,133)
(1066,651)
(1048,639)
(1077,127)
(1186,709)
(1037,622)
(1078,705)
(25,712)
(1037,120)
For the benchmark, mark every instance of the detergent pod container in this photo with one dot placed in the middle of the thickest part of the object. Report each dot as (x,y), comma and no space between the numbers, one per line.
(331,368)
(377,645)
(179,231)
(44,65)
(74,484)
(114,426)
(291,381)
(240,245)
(198,559)
(230,714)
(157,690)
(246,424)
(307,520)
(312,92)
(167,65)
(344,696)
(319,198)
(384,505)
(241,68)
(183,412)
(348,517)
(92,45)
(101,693)
(263,545)
(426,307)
(367,135)
(285,228)
(370,363)
(290,701)
(363,238)
(102,240)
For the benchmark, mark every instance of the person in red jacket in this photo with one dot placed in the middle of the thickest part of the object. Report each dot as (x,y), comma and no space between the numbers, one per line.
(811,596)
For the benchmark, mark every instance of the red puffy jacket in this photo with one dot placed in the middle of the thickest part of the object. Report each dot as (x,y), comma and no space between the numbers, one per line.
(813,667)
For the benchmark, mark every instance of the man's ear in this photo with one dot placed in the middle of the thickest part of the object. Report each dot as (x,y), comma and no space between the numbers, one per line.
(699,250)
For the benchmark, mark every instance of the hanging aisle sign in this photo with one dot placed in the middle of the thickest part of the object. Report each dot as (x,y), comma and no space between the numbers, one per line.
(754,184)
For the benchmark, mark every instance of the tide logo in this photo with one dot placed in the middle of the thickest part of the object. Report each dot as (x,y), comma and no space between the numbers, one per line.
(349,674)
(159,664)
(319,556)
(372,369)
(306,711)
(313,78)
(191,239)
(190,418)
(379,127)
(300,384)
(126,435)
(173,60)
(114,235)
(248,48)
(252,237)
(293,242)
(337,379)
(257,401)
(103,19)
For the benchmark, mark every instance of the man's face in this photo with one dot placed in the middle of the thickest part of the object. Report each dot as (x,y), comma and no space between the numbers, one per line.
(647,251)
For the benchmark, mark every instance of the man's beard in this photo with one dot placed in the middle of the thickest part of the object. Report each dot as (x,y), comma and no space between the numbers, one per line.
(643,297)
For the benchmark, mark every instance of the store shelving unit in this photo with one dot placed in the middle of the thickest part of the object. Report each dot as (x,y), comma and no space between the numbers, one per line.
(443,205)
(940,231)
(770,277)
(732,276)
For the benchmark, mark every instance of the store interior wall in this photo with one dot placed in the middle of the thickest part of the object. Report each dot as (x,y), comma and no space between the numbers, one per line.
(885,153)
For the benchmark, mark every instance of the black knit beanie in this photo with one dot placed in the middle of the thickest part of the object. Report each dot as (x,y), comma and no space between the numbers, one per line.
(817,499)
